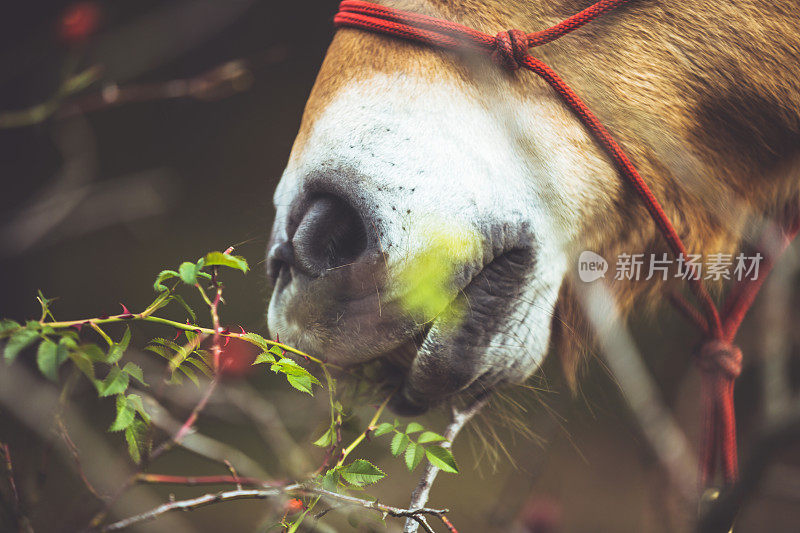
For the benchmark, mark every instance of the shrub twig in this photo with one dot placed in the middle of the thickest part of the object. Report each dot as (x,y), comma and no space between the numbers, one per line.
(416,515)
(421,493)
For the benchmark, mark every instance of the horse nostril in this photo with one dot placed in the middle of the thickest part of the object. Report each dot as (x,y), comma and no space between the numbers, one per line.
(330,234)
(280,255)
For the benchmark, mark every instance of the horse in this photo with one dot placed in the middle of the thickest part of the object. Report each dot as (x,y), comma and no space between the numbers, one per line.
(434,206)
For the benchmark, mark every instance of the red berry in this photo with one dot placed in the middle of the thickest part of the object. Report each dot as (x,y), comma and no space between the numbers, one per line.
(295,505)
(78,22)
(237,358)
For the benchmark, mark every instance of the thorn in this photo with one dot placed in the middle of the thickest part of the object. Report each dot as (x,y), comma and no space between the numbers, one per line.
(277,337)
(177,334)
(227,340)
(228,251)
(243,331)
(125,309)
(78,327)
(225,331)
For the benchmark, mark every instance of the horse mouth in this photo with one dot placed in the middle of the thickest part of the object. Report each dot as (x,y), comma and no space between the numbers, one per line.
(497,282)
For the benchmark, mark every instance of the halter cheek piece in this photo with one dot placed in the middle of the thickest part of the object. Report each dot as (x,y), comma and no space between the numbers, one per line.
(719,360)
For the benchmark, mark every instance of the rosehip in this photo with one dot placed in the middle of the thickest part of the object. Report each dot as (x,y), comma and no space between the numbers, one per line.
(78,22)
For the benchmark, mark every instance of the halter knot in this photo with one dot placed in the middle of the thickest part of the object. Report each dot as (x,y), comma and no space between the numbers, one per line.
(719,356)
(510,49)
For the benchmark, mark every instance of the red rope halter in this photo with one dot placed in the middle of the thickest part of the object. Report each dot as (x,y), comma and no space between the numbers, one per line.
(719,360)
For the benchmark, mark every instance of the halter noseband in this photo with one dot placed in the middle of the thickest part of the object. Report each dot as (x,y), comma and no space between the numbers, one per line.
(718,358)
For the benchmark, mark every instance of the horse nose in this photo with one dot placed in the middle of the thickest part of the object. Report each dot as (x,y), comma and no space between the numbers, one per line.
(330,234)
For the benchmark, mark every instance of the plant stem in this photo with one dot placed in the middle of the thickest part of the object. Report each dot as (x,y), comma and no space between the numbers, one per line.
(102,333)
(363,434)
(142,317)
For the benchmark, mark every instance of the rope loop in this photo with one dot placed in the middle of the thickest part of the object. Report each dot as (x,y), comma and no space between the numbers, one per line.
(720,357)
(510,49)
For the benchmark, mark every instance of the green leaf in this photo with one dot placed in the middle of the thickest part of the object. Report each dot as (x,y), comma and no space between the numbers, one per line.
(83,363)
(264,357)
(18,342)
(414,455)
(118,348)
(166,342)
(160,350)
(134,371)
(178,298)
(200,365)
(301,383)
(430,436)
(326,439)
(382,429)
(277,351)
(442,459)
(116,382)
(133,444)
(232,261)
(136,436)
(161,301)
(414,427)
(189,373)
(399,443)
(330,481)
(206,357)
(68,340)
(8,325)
(188,272)
(163,276)
(289,366)
(93,352)
(361,472)
(50,357)
(297,376)
(135,401)
(258,340)
(125,414)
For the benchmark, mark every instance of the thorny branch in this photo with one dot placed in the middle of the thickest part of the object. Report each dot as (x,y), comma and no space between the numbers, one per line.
(62,430)
(201,444)
(19,514)
(219,82)
(419,497)
(186,427)
(175,439)
(293,489)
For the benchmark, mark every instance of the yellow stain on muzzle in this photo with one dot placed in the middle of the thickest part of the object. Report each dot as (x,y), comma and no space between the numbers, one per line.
(426,278)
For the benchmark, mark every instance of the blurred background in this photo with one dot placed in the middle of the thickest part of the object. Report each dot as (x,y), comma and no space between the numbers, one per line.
(174,150)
